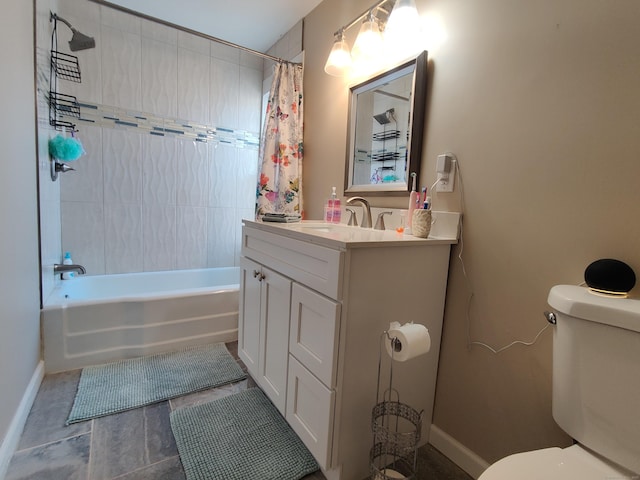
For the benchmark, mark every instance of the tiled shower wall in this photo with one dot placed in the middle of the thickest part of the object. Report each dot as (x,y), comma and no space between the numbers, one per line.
(141,202)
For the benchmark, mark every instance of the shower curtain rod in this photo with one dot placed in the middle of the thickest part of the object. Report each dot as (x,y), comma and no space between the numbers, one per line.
(193,32)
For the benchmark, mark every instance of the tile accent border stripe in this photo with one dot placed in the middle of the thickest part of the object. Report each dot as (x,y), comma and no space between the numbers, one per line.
(114,117)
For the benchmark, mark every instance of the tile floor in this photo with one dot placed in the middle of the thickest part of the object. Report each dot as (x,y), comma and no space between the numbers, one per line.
(133,445)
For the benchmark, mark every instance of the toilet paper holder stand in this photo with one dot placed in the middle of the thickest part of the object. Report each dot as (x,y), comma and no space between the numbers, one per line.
(396,426)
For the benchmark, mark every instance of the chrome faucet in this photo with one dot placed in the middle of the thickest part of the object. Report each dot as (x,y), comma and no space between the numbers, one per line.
(366,214)
(58,268)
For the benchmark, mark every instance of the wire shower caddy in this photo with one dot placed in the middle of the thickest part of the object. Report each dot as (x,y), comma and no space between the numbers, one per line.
(66,67)
(396,428)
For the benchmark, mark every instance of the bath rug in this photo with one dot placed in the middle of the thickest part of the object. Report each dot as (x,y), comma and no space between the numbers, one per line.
(239,437)
(126,384)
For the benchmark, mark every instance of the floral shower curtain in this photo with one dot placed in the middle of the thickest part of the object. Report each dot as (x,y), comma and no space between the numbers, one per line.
(280,183)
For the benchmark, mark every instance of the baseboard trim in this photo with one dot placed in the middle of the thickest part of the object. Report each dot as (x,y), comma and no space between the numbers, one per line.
(467,460)
(11,439)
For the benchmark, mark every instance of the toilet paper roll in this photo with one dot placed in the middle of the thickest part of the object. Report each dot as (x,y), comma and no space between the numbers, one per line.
(407,341)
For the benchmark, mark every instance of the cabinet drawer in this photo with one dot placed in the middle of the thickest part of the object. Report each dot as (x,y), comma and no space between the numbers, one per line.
(317,266)
(310,408)
(313,333)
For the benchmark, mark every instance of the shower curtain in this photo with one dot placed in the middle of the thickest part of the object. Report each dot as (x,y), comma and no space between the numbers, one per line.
(280,182)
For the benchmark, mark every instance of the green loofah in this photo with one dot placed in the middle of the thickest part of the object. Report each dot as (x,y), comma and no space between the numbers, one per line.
(65,149)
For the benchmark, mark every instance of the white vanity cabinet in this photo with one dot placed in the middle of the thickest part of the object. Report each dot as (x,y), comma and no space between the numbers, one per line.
(315,300)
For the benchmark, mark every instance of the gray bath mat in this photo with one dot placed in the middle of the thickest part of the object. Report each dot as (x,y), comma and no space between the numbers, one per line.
(239,437)
(127,384)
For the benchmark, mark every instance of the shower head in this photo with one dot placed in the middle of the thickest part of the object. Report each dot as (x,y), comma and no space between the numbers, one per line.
(386,117)
(382,118)
(79,41)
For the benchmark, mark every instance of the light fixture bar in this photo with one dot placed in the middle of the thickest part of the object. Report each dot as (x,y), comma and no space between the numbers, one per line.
(372,42)
(377,6)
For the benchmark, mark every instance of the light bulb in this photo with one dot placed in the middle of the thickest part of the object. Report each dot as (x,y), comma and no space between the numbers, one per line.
(367,49)
(339,59)
(402,32)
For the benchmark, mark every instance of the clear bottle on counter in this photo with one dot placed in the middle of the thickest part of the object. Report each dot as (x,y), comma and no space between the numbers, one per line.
(67,261)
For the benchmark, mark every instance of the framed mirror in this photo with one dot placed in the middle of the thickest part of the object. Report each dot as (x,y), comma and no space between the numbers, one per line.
(386,123)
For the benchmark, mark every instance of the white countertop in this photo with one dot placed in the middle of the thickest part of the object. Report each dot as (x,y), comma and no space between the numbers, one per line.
(444,230)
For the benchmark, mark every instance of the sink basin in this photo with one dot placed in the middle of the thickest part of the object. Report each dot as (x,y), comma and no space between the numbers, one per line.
(318,227)
(314,230)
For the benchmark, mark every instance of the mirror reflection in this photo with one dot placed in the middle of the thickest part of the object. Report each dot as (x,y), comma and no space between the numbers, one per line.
(386,116)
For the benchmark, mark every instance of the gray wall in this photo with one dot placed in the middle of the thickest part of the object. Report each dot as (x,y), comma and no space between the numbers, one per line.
(19,281)
(540,102)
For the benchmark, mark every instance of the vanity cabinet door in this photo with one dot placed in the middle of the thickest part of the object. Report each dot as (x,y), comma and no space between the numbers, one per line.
(249,315)
(263,328)
(275,304)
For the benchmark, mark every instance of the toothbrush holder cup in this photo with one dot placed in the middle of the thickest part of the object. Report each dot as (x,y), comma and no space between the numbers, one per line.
(421,223)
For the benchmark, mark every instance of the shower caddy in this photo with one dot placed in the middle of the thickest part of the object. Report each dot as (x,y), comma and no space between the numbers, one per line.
(66,67)
(396,428)
(383,155)
(63,66)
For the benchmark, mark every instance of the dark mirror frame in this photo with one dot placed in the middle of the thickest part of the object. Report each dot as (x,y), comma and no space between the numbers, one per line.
(416,128)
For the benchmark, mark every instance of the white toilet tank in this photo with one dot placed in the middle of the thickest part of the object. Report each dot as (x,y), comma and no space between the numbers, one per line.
(596,372)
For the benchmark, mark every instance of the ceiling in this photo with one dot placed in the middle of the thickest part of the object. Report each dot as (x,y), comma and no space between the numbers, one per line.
(256,24)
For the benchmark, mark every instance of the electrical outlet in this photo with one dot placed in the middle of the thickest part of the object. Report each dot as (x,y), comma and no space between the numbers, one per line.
(446,184)
(446,172)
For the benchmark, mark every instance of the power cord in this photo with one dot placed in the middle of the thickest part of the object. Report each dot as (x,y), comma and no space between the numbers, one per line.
(471,343)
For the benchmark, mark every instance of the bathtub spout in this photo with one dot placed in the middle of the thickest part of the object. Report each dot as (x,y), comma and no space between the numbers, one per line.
(58,268)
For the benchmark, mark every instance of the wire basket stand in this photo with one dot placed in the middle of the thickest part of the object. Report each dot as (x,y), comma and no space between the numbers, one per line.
(396,428)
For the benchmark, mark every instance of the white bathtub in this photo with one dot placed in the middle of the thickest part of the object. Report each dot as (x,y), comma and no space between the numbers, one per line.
(96,319)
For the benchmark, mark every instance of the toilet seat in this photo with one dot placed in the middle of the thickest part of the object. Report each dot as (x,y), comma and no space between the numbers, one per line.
(572,463)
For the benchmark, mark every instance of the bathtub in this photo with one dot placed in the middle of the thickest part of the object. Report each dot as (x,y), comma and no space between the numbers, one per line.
(90,320)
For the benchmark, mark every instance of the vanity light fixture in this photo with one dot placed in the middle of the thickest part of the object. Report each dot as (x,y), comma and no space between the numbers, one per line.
(340,58)
(403,26)
(371,43)
(367,48)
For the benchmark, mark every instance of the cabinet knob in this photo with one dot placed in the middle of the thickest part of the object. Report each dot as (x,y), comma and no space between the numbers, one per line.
(255,273)
(262,277)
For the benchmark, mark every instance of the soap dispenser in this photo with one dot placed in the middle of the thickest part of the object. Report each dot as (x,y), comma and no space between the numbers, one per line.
(332,212)
(337,212)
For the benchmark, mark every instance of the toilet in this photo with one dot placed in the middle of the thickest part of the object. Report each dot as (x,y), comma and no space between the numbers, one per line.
(596,392)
